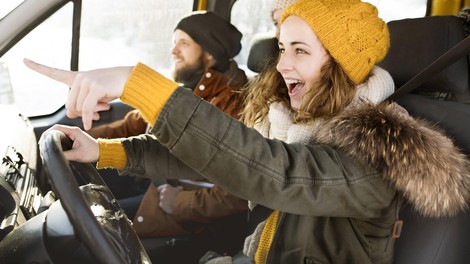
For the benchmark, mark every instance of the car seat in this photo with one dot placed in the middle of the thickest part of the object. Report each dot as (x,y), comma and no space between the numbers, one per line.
(263,52)
(443,100)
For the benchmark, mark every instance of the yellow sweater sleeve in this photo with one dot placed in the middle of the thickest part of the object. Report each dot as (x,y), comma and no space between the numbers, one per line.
(112,154)
(146,90)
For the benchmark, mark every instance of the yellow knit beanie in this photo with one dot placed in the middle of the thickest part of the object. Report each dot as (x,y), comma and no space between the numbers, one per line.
(349,29)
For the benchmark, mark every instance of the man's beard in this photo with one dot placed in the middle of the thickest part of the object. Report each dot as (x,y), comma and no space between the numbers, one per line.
(188,73)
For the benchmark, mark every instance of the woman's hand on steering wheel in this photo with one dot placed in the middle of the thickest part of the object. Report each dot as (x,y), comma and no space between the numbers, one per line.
(85,149)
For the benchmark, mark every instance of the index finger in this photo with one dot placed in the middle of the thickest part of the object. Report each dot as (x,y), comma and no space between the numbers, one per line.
(63,76)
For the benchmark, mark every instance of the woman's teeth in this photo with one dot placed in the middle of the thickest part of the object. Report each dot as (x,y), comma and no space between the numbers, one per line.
(292,84)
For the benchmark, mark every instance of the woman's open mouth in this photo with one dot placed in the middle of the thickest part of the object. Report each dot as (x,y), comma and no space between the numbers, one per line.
(294,86)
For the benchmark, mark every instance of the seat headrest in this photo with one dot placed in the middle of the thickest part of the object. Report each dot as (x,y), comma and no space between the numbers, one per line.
(416,43)
(263,51)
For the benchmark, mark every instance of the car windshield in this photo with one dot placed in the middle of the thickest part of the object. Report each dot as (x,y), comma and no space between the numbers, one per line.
(113,32)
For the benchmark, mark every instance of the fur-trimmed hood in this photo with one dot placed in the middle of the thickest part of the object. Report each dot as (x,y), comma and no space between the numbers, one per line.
(413,155)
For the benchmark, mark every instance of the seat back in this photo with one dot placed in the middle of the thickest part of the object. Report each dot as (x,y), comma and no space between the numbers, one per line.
(416,43)
(433,241)
(263,52)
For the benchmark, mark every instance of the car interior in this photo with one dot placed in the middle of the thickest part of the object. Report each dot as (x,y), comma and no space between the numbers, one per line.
(47,217)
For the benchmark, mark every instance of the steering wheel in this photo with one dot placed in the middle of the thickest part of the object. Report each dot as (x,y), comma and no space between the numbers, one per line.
(97,218)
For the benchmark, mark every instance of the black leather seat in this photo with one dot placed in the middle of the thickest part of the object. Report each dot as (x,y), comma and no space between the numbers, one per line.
(433,241)
(415,43)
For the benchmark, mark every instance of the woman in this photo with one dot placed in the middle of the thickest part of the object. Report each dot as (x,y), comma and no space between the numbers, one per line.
(277,8)
(338,167)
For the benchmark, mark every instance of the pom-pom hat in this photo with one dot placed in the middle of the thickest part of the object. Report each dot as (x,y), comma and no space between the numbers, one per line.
(349,29)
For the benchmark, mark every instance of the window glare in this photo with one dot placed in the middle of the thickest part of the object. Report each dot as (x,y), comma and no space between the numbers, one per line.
(251,17)
(113,32)
(124,32)
(7,5)
(49,43)
(399,9)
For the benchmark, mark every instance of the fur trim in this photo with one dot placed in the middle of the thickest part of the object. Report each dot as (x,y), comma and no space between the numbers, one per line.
(413,155)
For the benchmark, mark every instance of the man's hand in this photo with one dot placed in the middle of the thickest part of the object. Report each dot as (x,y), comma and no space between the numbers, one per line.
(167,196)
(90,91)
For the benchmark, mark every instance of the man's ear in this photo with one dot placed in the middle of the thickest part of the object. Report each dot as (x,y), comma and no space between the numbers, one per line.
(210,60)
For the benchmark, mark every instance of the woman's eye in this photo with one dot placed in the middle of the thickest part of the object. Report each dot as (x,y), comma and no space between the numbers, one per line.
(300,51)
(281,50)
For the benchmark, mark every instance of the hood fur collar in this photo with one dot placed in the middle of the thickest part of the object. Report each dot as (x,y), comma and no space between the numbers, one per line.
(414,156)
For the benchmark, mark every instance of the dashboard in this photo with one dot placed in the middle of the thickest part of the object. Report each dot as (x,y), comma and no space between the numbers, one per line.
(20,197)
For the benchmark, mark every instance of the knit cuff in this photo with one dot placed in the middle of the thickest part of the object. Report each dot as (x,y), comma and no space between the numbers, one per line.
(112,154)
(148,91)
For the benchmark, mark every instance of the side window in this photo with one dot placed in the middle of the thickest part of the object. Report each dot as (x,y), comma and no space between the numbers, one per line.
(7,6)
(399,9)
(251,17)
(48,43)
(124,32)
(112,33)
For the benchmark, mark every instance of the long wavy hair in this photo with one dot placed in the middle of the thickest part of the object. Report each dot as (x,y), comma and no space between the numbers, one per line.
(324,99)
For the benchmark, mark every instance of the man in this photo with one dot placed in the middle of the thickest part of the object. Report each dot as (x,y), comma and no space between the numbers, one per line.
(204,45)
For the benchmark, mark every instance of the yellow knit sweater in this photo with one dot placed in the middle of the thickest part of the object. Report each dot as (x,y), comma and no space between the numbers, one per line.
(146,90)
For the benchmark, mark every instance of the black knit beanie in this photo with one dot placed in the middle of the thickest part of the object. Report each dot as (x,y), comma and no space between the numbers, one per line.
(215,35)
